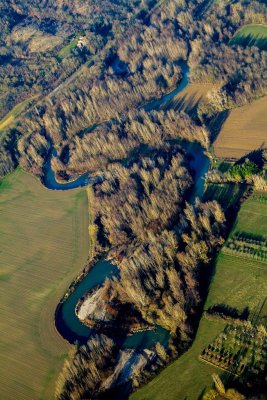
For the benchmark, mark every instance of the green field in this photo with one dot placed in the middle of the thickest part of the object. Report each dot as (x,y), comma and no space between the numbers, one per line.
(228,195)
(252,218)
(43,245)
(237,282)
(251,35)
(66,50)
(188,377)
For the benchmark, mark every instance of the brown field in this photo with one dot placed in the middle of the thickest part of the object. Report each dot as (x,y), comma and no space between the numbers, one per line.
(244,130)
(188,99)
(43,245)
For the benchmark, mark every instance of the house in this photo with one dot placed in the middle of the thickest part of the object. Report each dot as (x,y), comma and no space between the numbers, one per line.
(82,42)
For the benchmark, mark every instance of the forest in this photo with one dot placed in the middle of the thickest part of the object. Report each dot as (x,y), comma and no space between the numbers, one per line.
(92,107)
(144,63)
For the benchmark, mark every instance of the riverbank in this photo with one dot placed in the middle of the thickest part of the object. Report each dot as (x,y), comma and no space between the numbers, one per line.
(96,271)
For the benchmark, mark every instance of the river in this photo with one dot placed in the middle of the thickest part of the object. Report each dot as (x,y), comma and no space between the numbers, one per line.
(70,327)
(49,179)
(67,323)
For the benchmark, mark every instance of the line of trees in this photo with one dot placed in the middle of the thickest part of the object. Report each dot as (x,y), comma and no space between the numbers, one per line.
(85,369)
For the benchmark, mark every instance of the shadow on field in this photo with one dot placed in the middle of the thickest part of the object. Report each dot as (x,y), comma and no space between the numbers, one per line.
(216,124)
(200,396)
(255,156)
(250,40)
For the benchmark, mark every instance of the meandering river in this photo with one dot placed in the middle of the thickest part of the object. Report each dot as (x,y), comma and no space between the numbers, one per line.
(67,323)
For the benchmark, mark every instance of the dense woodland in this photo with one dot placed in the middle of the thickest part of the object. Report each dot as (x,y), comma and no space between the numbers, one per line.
(140,60)
(162,245)
(32,37)
(113,141)
(98,122)
(82,377)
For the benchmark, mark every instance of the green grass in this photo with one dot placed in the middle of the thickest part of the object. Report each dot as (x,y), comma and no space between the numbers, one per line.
(223,165)
(252,218)
(188,377)
(5,183)
(251,35)
(66,50)
(238,283)
(228,195)
(43,245)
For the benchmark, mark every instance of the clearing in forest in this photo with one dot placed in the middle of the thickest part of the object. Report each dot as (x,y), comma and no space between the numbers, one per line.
(187,100)
(44,243)
(251,35)
(245,130)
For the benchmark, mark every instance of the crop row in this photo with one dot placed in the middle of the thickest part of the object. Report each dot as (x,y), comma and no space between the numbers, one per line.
(249,238)
(238,349)
(247,252)
(261,199)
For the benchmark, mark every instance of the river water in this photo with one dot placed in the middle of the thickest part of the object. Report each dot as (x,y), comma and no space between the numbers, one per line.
(49,179)
(67,323)
(70,327)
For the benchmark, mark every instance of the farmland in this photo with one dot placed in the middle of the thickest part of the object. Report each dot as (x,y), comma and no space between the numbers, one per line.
(44,243)
(244,130)
(251,35)
(187,100)
(226,194)
(253,217)
(238,282)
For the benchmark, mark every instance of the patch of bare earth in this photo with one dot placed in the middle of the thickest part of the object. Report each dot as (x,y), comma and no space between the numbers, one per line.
(244,130)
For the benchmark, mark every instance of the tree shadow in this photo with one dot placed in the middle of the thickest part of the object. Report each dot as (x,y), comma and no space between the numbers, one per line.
(228,311)
(255,156)
(249,40)
(216,124)
(200,396)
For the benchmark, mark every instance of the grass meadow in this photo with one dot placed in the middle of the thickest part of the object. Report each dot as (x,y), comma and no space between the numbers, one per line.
(66,50)
(228,195)
(251,35)
(236,282)
(244,130)
(43,245)
(252,218)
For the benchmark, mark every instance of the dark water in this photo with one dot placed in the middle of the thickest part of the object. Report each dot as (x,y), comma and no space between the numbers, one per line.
(200,164)
(49,179)
(154,104)
(67,323)
(70,327)
(50,182)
